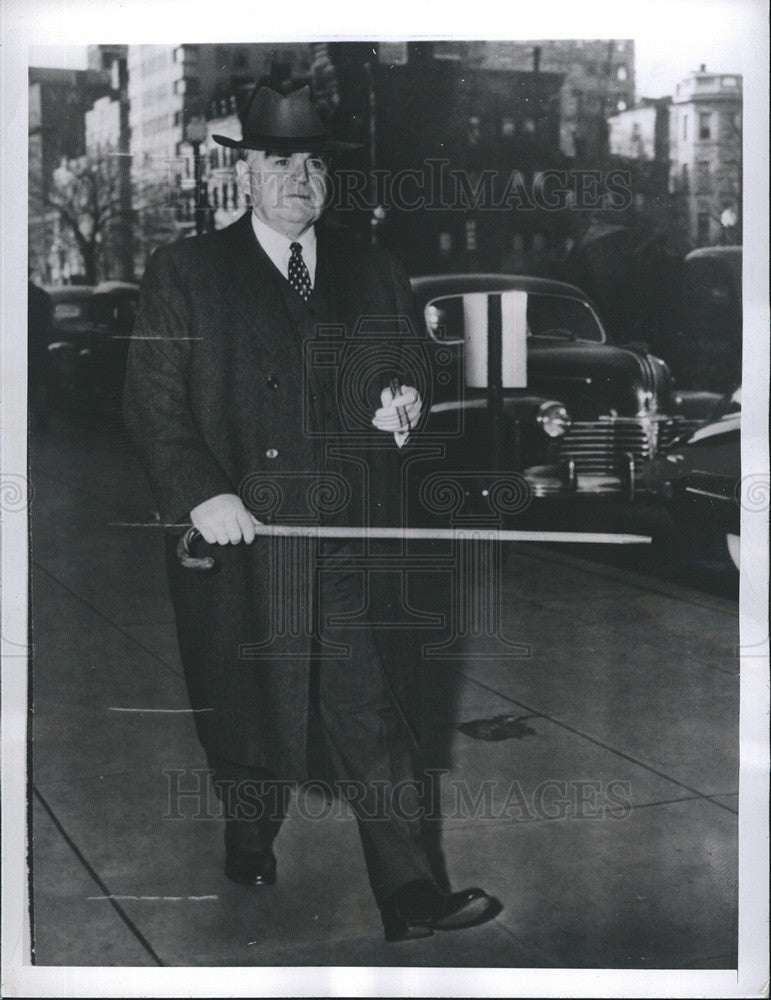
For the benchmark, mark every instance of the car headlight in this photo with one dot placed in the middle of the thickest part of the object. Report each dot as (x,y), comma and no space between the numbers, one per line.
(554,419)
(433,319)
(646,403)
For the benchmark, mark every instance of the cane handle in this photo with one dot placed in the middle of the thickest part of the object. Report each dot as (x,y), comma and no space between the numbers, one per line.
(203,564)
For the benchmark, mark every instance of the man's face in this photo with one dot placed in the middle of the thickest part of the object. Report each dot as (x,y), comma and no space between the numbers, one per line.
(287,190)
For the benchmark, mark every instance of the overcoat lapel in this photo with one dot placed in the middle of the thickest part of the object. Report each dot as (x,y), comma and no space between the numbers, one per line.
(252,278)
(345,280)
(340,276)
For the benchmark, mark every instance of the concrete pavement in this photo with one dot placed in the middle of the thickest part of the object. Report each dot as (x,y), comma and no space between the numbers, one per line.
(591,786)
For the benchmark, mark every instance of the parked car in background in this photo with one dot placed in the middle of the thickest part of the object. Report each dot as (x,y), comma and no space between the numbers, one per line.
(90,335)
(535,387)
(705,351)
(699,476)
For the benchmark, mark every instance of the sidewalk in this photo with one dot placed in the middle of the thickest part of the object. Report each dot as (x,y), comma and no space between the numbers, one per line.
(627,683)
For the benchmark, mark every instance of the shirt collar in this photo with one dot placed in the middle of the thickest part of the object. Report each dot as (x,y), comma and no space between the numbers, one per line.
(277,246)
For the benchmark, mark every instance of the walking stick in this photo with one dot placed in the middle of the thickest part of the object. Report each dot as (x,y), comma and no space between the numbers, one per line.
(207,564)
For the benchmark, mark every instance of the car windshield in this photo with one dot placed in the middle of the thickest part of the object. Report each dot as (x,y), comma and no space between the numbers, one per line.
(70,310)
(561,317)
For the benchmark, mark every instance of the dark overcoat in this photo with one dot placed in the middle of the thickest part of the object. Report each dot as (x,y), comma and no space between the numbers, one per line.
(222,395)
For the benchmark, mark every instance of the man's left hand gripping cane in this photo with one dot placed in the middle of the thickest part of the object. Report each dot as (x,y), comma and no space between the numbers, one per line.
(400,411)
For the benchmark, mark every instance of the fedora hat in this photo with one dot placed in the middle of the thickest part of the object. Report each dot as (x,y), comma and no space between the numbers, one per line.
(285,124)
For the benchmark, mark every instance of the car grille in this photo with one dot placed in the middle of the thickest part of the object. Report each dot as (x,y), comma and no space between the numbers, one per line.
(676,427)
(604,447)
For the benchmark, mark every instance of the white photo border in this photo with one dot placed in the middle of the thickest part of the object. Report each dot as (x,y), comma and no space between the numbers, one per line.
(77,22)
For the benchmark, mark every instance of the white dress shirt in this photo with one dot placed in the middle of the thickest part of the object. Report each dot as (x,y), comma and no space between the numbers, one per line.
(277,247)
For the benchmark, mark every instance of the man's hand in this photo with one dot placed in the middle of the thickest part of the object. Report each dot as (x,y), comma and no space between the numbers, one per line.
(387,419)
(223,520)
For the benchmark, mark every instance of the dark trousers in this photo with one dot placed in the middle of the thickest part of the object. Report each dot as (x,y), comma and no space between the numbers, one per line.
(369,745)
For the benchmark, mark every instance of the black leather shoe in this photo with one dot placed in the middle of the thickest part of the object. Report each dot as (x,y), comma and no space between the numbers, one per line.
(251,867)
(419,908)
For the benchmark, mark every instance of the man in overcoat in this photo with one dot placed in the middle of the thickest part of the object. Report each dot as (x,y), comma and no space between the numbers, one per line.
(235,428)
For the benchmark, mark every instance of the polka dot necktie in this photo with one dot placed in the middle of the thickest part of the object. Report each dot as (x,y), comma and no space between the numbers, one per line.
(299,278)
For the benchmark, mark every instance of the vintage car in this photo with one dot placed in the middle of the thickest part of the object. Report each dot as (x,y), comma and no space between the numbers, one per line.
(91,328)
(699,478)
(529,384)
(705,350)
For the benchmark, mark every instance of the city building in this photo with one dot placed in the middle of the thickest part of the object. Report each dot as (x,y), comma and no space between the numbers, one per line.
(89,236)
(107,141)
(705,148)
(598,81)
(638,141)
(641,132)
(222,194)
(172,89)
(443,136)
(58,102)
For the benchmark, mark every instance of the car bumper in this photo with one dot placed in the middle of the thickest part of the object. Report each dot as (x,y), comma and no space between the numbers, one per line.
(565,481)
(604,456)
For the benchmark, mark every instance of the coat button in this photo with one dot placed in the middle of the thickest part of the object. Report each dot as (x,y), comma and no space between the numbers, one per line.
(273,382)
(271,453)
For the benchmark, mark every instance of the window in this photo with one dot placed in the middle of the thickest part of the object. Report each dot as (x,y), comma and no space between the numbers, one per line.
(684,177)
(578,102)
(69,310)
(705,125)
(471,234)
(703,183)
(240,60)
(621,73)
(702,227)
(730,81)
(454,51)
(685,126)
(555,313)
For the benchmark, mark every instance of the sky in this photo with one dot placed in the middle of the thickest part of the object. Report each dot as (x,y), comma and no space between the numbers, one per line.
(660,62)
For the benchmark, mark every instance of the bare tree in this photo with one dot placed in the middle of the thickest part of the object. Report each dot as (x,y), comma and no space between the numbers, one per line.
(91,200)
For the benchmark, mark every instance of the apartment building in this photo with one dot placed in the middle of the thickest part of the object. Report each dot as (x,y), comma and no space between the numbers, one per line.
(705,151)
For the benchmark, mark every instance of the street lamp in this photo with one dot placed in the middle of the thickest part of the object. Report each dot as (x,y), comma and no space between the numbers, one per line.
(728,220)
(195,134)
